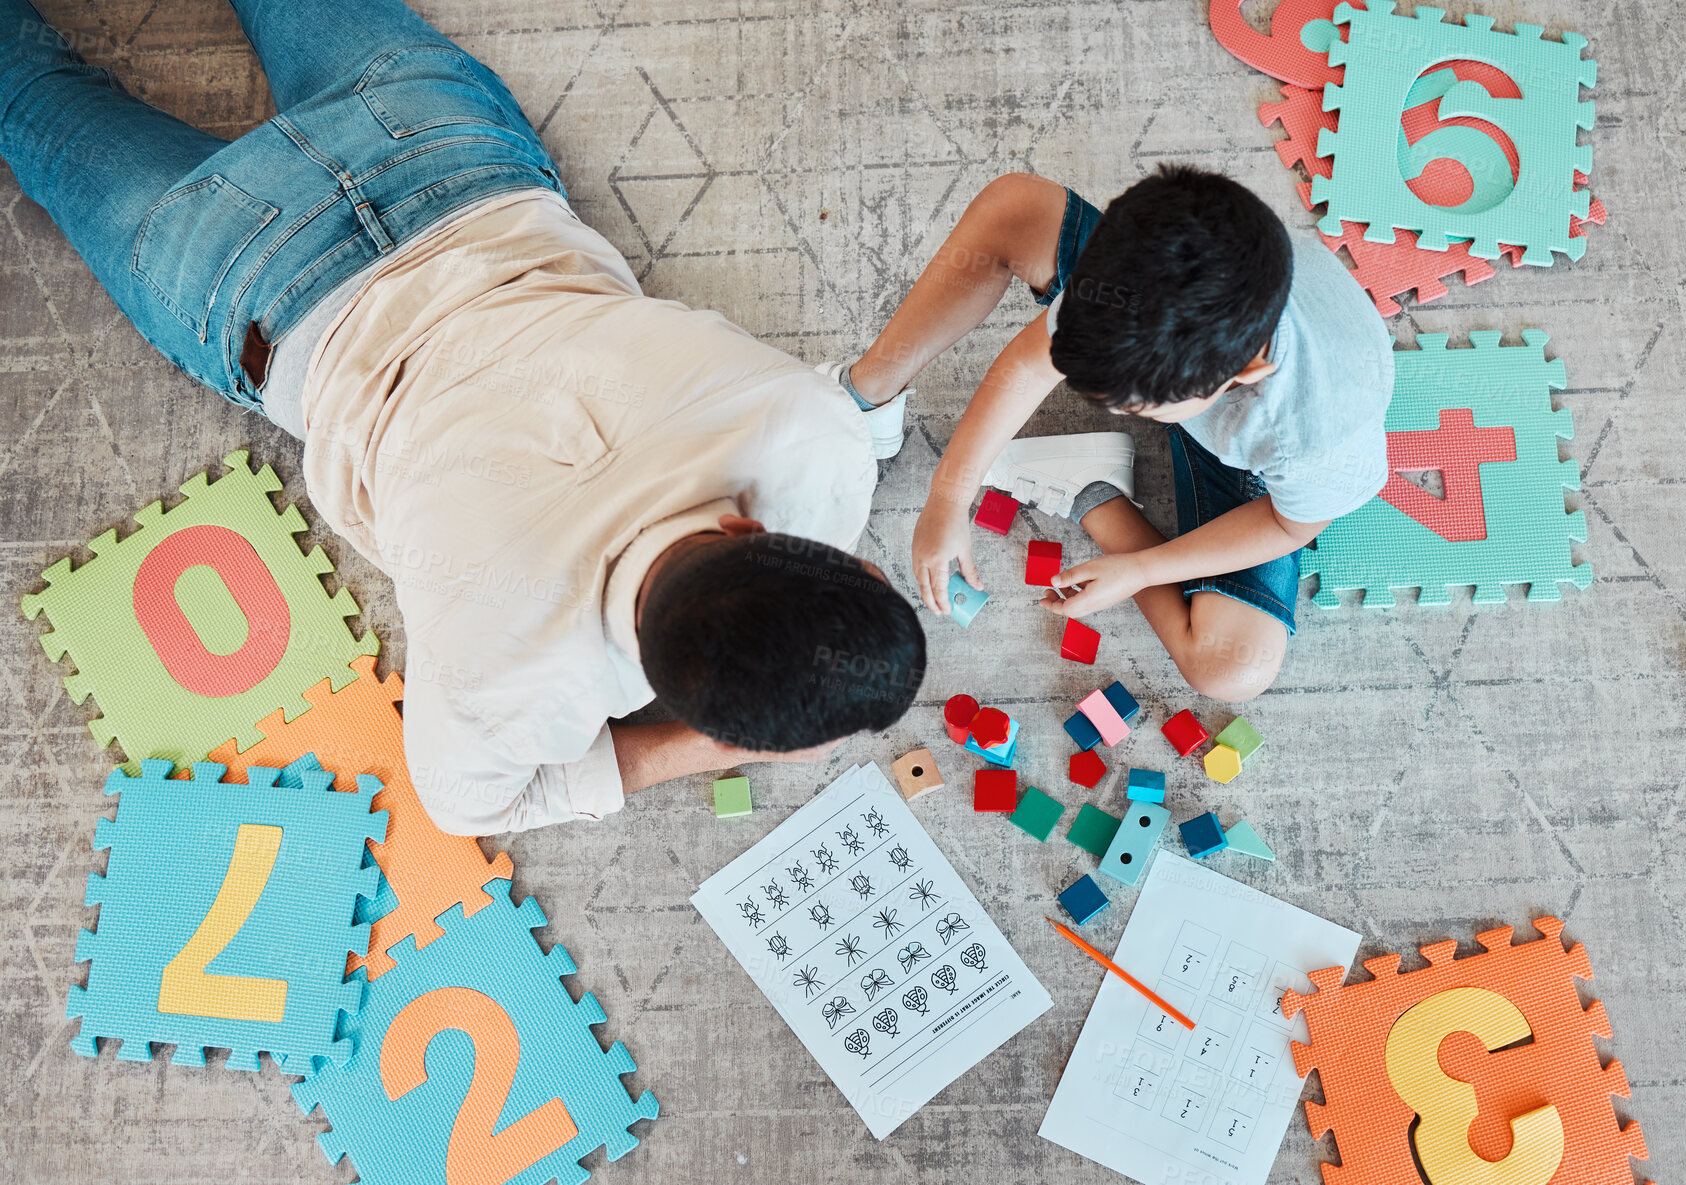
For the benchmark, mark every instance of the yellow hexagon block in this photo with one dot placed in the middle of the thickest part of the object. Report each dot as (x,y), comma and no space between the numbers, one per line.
(1222,763)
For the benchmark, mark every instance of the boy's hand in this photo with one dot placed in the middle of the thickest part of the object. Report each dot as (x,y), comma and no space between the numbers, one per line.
(1104,582)
(941,535)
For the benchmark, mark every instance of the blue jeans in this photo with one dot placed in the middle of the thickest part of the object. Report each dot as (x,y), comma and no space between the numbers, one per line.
(1206,488)
(214,249)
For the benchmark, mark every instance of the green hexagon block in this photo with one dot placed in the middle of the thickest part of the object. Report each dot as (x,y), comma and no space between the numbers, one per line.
(205,620)
(1482,417)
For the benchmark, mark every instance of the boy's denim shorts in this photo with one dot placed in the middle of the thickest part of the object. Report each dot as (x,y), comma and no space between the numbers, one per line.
(1206,487)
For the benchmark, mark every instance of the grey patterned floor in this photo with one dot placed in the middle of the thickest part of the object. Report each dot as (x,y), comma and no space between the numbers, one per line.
(1429,773)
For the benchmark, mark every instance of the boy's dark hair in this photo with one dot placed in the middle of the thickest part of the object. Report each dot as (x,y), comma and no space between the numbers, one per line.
(1180,285)
(771,642)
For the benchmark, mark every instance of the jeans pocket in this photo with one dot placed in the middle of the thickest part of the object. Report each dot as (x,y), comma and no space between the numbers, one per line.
(413,90)
(190,239)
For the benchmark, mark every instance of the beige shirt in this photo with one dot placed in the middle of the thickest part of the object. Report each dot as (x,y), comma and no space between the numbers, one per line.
(506,425)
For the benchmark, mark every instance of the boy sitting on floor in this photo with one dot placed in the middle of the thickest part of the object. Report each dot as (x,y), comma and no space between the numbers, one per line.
(1187,303)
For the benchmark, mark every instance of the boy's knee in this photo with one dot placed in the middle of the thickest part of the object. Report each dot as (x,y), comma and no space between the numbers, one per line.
(1232,668)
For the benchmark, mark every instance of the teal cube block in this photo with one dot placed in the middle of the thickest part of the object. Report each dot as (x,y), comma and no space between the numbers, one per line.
(1145,785)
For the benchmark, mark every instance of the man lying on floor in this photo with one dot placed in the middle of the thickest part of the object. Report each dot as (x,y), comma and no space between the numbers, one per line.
(586,497)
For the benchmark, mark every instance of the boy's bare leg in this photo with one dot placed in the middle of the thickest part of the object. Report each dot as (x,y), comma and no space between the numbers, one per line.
(966,280)
(1225,648)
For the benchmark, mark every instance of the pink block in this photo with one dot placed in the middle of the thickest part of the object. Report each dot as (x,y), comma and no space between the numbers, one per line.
(1104,717)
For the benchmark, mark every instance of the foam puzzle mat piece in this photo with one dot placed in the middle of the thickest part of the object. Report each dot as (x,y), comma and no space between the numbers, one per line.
(139,649)
(482,997)
(1381,547)
(1037,814)
(1093,829)
(1352,1027)
(1297,49)
(226,914)
(1387,270)
(358,730)
(1385,55)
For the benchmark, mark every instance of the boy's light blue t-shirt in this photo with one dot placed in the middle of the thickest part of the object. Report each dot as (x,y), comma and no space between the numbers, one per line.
(1314,429)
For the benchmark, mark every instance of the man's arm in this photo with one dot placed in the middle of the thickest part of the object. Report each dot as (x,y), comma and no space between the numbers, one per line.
(652,753)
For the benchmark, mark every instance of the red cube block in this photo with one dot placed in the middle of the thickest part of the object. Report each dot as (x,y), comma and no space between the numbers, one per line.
(991,727)
(957,717)
(1043,563)
(1185,733)
(996,790)
(1080,643)
(1087,769)
(996,512)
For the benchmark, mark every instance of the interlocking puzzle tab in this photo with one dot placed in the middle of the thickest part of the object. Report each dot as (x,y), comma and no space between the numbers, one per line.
(1384,55)
(1527,532)
(223,568)
(226,916)
(472,1035)
(358,730)
(1297,50)
(1459,1050)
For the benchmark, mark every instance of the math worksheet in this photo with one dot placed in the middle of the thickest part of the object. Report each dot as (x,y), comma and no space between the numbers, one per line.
(1149,1099)
(860,933)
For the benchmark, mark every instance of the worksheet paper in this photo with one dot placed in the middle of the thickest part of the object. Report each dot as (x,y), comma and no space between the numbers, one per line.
(856,928)
(1149,1099)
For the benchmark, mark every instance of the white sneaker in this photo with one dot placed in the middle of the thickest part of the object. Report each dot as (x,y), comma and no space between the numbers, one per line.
(1050,471)
(884,421)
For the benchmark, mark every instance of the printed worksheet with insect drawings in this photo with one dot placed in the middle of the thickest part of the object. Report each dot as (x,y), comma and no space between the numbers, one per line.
(858,930)
(1149,1099)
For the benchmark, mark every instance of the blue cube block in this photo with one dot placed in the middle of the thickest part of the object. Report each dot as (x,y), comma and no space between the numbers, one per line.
(1145,785)
(1083,732)
(1083,899)
(1203,835)
(964,601)
(1003,753)
(1122,701)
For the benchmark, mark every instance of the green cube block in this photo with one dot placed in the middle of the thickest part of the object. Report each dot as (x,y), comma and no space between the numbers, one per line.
(731,798)
(1037,814)
(1240,736)
(1093,830)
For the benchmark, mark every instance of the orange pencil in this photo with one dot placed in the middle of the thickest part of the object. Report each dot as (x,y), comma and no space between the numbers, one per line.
(1141,987)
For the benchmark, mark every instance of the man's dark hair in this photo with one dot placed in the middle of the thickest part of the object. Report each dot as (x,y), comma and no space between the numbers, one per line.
(1180,285)
(771,642)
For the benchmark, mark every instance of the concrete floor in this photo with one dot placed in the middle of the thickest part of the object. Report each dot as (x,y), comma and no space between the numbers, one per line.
(1429,773)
